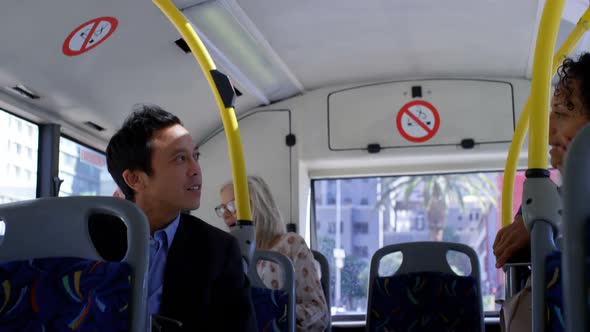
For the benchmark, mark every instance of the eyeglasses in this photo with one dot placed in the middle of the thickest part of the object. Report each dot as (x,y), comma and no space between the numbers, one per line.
(222,208)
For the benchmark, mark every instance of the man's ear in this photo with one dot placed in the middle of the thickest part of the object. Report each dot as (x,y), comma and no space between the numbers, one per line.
(135,180)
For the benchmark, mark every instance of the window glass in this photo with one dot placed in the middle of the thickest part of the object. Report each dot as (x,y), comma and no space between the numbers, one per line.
(462,207)
(19,141)
(83,171)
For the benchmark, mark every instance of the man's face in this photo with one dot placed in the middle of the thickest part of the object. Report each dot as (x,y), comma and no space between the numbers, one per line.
(564,123)
(175,182)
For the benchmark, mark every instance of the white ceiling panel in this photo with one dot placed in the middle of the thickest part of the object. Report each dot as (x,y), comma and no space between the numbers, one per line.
(327,42)
(317,43)
(138,63)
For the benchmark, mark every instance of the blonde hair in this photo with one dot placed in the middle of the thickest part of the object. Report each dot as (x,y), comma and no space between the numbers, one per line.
(265,212)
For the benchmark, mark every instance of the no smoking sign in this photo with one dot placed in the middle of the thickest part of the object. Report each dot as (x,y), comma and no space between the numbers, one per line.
(418,121)
(89,35)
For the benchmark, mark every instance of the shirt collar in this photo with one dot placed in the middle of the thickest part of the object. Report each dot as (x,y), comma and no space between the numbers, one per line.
(169,231)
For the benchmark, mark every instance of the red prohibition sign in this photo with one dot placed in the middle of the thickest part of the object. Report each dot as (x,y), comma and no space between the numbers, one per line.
(89,35)
(418,121)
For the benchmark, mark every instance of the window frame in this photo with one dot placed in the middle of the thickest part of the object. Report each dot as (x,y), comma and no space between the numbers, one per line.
(312,216)
(47,156)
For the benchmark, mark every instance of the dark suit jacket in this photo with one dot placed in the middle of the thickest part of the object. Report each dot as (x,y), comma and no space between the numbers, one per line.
(204,285)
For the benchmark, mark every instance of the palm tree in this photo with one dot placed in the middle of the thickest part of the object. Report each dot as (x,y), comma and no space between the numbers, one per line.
(439,192)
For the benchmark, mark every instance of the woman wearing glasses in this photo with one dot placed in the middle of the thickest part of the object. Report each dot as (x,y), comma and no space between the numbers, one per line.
(311,309)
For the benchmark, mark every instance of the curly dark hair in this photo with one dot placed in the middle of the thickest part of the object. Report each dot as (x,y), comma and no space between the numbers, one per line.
(571,72)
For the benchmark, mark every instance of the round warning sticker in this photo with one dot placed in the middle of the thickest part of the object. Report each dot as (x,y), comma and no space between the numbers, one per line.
(89,35)
(418,121)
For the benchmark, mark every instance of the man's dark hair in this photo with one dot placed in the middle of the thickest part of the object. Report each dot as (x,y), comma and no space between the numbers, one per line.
(131,147)
(570,73)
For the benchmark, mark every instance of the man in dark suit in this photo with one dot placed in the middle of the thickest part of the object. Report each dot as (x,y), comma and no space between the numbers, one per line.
(195,272)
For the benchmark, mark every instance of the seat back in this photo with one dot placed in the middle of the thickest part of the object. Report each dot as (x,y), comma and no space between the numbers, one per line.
(274,308)
(425,293)
(44,234)
(553,293)
(576,233)
(325,280)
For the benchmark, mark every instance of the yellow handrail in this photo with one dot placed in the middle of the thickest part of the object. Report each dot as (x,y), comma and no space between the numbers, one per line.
(228,116)
(541,83)
(523,122)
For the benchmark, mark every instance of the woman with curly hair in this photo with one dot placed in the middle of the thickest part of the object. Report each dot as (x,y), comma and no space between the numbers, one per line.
(570,111)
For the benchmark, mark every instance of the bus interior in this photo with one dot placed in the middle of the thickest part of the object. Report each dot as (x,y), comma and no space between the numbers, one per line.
(374,122)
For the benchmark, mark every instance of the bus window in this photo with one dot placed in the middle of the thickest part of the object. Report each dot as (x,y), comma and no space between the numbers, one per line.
(19,140)
(379,211)
(83,171)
